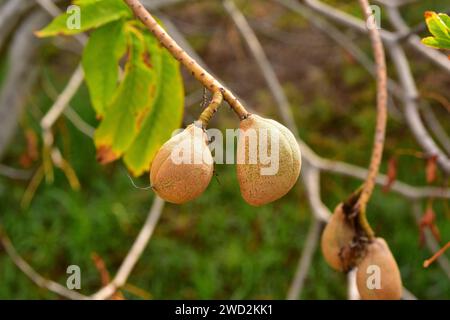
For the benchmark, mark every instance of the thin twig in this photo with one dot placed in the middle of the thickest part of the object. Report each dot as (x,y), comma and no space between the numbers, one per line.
(346,19)
(347,44)
(10,14)
(262,60)
(135,252)
(22,73)
(435,126)
(410,102)
(380,129)
(34,276)
(403,189)
(14,173)
(305,261)
(63,99)
(415,41)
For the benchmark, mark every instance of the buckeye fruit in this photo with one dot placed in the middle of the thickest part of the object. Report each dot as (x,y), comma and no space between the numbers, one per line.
(336,239)
(378,276)
(263,180)
(183,166)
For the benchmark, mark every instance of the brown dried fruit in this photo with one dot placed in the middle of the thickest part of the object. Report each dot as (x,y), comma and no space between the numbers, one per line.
(183,166)
(378,276)
(336,239)
(269,160)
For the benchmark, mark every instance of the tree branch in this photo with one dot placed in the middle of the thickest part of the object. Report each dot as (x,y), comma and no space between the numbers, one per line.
(202,75)
(305,261)
(135,252)
(39,280)
(380,129)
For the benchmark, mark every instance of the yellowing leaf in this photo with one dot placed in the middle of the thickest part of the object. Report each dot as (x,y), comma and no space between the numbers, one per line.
(166,117)
(439,26)
(130,105)
(92,14)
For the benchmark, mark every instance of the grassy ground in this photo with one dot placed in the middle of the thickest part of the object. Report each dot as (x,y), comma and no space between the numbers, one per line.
(218,246)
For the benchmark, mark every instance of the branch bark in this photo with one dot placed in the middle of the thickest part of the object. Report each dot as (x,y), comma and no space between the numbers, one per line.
(202,75)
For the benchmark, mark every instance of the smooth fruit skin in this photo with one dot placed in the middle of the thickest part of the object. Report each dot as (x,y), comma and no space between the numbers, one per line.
(337,235)
(378,254)
(182,182)
(258,189)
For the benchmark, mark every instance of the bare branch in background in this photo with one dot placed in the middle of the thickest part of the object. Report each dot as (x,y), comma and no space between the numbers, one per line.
(20,77)
(381,121)
(410,95)
(412,115)
(305,261)
(39,280)
(345,19)
(60,104)
(135,252)
(348,45)
(415,42)
(406,190)
(435,127)
(13,173)
(10,14)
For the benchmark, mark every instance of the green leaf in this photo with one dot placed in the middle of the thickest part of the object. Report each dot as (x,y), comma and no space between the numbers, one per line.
(101,56)
(439,26)
(166,117)
(431,42)
(131,104)
(93,14)
(436,43)
(445,19)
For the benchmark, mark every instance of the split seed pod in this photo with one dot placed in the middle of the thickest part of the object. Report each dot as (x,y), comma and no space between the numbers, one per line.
(183,166)
(336,239)
(378,276)
(268,160)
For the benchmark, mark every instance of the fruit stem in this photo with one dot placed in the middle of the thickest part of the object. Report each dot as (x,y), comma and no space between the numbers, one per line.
(364,224)
(212,107)
(358,213)
(203,76)
(380,130)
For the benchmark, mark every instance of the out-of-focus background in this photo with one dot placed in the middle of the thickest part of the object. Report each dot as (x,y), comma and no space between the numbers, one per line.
(216,247)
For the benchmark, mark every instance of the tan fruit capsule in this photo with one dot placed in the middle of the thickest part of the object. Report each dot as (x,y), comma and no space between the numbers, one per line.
(378,276)
(336,238)
(183,166)
(268,160)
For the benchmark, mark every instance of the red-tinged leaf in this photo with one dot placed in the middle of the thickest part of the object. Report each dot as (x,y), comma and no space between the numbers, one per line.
(429,14)
(391,174)
(32,144)
(31,153)
(104,275)
(428,220)
(431,168)
(106,155)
